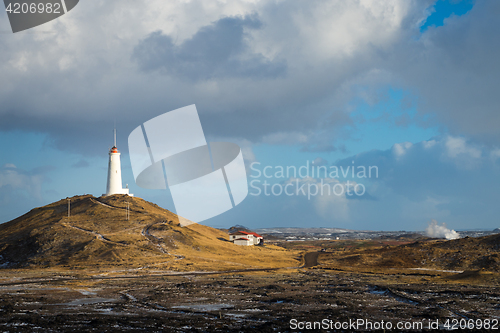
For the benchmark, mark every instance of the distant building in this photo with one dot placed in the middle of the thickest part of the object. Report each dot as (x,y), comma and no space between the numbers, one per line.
(246,238)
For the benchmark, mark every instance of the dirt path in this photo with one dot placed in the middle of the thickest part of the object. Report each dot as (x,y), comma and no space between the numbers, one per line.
(310,259)
(153,239)
(96,234)
(102,203)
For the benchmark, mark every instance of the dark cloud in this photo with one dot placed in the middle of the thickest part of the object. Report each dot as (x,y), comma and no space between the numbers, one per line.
(215,51)
(290,74)
(455,72)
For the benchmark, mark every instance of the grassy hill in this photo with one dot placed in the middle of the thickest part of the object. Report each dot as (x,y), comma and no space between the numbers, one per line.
(481,253)
(99,235)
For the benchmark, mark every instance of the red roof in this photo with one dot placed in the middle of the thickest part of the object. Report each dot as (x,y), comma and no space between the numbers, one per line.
(246,233)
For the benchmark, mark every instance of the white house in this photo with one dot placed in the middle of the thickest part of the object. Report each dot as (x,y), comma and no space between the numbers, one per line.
(243,237)
(243,241)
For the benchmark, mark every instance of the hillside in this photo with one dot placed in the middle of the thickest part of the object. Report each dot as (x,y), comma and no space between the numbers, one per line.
(481,253)
(98,235)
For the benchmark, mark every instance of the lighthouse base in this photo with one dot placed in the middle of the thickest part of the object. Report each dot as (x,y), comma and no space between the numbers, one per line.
(123,191)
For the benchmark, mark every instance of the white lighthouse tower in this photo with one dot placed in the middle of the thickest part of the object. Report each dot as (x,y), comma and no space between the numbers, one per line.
(114,185)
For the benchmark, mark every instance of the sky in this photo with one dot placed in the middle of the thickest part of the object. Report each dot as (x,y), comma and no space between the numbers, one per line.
(408,88)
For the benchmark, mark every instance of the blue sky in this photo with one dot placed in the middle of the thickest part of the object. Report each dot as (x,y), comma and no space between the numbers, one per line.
(408,86)
(443,9)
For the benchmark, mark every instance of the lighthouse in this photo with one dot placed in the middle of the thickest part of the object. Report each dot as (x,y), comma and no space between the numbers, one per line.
(114,185)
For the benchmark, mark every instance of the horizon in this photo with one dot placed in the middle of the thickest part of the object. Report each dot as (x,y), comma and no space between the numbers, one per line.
(423,231)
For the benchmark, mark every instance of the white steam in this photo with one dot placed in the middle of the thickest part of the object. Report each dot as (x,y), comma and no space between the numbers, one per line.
(440,231)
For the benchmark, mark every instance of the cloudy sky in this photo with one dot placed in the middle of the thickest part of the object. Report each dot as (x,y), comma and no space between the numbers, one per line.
(408,86)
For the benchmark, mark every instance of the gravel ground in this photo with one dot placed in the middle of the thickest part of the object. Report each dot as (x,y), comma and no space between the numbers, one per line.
(284,301)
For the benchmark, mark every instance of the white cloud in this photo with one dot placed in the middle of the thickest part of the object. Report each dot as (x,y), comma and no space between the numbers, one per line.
(462,153)
(495,153)
(319,161)
(429,144)
(451,180)
(456,146)
(336,29)
(17,179)
(425,184)
(400,149)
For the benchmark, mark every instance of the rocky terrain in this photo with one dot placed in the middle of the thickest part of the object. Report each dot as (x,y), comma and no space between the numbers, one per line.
(481,253)
(97,271)
(243,302)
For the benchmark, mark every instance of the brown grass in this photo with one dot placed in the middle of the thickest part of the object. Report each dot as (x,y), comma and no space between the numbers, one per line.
(97,236)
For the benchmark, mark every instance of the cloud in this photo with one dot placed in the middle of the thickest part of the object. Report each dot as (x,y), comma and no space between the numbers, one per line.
(428,165)
(457,146)
(274,72)
(454,70)
(424,183)
(214,51)
(20,190)
(495,154)
(254,69)
(286,72)
(447,178)
(18,179)
(319,161)
(399,149)
(329,196)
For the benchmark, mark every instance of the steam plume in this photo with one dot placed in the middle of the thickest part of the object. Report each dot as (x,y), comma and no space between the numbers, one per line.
(440,231)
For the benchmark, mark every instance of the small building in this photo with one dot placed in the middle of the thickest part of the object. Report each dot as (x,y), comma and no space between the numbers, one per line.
(243,241)
(250,237)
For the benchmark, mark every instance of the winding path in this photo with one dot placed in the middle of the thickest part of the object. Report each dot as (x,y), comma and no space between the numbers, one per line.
(96,234)
(310,259)
(153,239)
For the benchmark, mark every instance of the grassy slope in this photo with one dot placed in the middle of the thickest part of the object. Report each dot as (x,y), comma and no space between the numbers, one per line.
(461,254)
(97,235)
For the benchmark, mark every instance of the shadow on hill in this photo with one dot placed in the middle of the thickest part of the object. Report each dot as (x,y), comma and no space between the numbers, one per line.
(123,232)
